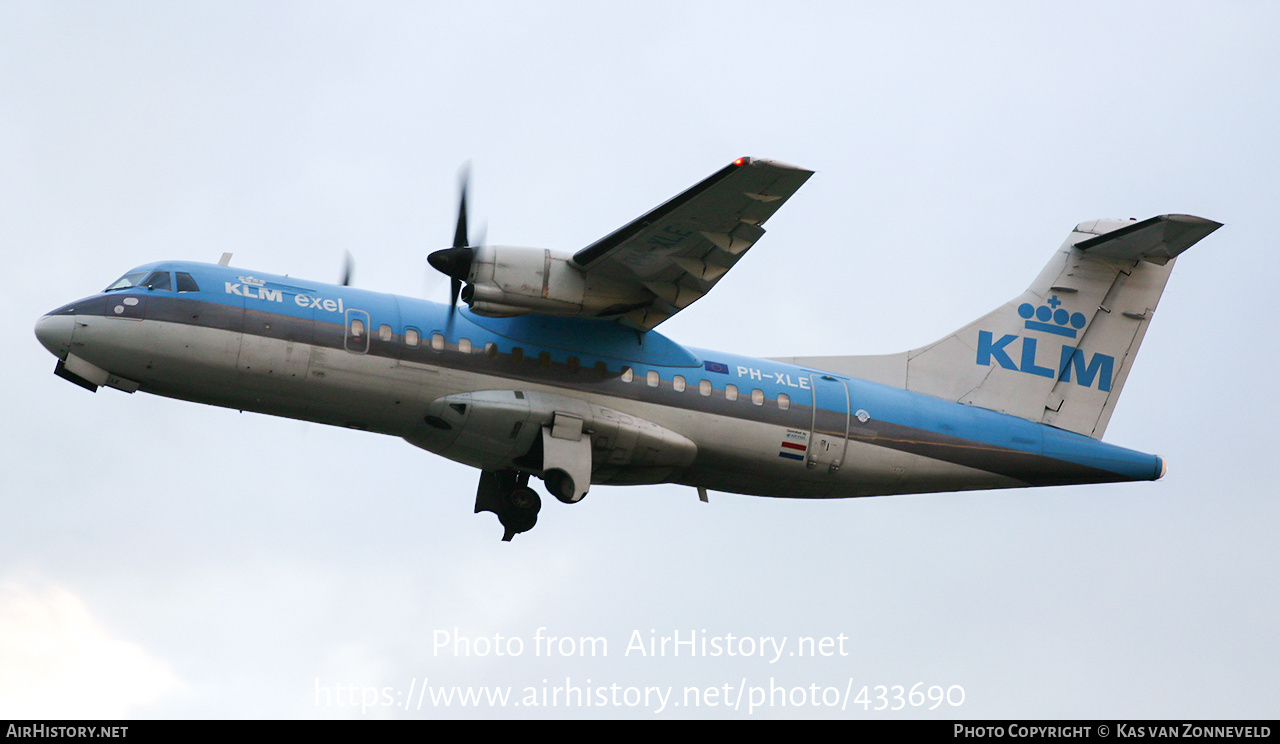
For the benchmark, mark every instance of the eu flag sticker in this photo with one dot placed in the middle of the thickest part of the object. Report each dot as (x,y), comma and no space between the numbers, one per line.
(716,367)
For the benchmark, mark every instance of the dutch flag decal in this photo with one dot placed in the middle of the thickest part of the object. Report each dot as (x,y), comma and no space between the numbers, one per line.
(794,445)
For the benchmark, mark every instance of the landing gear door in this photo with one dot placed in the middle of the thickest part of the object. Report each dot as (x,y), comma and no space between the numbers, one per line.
(566,458)
(829,435)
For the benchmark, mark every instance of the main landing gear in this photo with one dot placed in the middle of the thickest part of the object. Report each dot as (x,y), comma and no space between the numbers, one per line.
(507,494)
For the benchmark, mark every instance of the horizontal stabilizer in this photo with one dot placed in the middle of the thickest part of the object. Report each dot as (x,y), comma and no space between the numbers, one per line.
(1157,239)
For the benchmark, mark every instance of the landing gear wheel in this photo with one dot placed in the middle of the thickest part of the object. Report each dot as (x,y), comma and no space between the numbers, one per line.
(519,511)
(560,484)
(506,494)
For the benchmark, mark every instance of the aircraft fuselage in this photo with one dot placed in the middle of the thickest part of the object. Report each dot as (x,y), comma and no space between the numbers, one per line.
(661,412)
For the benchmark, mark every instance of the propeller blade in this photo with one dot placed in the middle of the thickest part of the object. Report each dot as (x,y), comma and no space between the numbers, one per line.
(348,268)
(460,234)
(455,262)
(455,288)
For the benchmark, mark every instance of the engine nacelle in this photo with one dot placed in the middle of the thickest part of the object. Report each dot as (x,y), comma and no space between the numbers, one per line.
(505,281)
(542,433)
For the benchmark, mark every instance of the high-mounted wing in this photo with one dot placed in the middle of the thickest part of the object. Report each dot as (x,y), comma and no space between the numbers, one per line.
(679,250)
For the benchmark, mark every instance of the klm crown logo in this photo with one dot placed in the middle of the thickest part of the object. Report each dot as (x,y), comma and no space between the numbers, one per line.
(1064,323)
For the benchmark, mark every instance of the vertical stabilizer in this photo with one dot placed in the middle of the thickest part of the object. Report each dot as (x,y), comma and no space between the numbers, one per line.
(1061,351)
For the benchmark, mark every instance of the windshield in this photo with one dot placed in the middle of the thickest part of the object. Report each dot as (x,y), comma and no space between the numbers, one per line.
(127,281)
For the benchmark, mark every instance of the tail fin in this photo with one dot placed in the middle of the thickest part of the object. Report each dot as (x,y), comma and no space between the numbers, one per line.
(1060,352)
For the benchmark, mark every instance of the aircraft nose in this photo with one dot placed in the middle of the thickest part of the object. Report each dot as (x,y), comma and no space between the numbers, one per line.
(54,333)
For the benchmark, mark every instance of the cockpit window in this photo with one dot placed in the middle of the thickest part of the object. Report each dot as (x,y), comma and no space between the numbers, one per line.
(186,283)
(127,281)
(159,280)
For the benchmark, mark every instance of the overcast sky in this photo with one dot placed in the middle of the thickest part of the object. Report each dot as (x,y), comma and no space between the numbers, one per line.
(164,559)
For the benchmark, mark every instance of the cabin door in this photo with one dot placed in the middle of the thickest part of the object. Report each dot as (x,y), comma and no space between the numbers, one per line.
(357,333)
(829,432)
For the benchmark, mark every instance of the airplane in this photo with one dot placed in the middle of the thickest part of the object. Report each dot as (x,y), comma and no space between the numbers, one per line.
(554,370)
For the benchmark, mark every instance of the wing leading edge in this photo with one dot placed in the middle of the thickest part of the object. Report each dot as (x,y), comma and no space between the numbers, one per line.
(679,250)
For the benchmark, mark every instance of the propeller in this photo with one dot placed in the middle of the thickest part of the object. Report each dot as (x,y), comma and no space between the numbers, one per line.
(455,262)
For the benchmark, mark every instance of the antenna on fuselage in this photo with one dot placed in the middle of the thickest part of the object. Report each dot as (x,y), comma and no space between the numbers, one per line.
(225,260)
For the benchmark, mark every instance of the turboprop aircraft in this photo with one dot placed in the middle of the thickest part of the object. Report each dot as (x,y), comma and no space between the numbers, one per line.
(554,370)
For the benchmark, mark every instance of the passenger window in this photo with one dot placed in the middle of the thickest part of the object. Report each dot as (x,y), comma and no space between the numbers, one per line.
(730,392)
(491,350)
(464,345)
(757,397)
(384,332)
(677,383)
(544,359)
(784,401)
(357,328)
(411,337)
(628,374)
(574,364)
(158,280)
(602,370)
(517,354)
(187,283)
(652,378)
(704,387)
(437,341)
